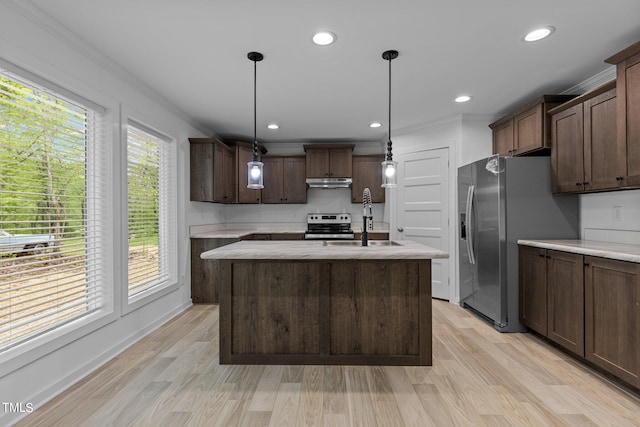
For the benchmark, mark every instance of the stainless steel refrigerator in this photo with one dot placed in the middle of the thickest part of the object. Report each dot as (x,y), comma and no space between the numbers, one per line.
(501,200)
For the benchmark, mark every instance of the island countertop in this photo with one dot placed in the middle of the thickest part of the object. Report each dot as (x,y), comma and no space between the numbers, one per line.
(315,249)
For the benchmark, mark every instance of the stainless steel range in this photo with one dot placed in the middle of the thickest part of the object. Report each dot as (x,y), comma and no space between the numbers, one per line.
(329,226)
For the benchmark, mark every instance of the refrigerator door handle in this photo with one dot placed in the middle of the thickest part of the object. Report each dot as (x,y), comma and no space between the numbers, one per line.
(470,251)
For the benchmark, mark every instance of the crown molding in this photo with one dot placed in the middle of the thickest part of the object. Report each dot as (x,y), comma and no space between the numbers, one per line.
(593,82)
(45,22)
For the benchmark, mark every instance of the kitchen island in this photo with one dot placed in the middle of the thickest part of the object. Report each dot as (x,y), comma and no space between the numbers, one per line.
(315,302)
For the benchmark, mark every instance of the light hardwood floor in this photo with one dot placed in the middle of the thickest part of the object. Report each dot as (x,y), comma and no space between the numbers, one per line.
(479,377)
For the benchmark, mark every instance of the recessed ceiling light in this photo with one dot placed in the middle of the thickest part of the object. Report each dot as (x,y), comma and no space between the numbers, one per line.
(539,34)
(324,38)
(463,98)
(273,126)
(375,125)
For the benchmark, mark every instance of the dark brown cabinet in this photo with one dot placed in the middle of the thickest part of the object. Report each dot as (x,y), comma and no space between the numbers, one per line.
(526,130)
(284,179)
(583,135)
(588,305)
(565,296)
(212,171)
(204,286)
(628,113)
(552,295)
(612,314)
(367,173)
(533,288)
(329,160)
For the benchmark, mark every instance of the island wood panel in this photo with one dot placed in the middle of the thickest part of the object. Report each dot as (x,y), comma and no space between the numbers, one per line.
(264,303)
(381,320)
(279,307)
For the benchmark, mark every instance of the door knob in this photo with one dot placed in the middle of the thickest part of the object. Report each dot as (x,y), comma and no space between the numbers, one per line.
(401,229)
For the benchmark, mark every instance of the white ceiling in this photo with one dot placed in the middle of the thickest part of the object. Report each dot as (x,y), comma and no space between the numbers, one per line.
(194,53)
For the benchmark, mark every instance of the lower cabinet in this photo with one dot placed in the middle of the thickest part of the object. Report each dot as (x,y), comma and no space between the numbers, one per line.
(204,289)
(612,313)
(588,305)
(565,296)
(533,288)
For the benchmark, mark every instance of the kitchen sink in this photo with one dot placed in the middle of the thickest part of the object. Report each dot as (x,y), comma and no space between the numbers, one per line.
(359,243)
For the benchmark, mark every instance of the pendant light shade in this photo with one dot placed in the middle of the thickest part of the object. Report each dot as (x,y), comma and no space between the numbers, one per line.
(389,167)
(255,175)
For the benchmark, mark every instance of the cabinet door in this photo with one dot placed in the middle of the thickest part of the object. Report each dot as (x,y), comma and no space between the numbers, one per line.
(503,138)
(201,172)
(367,173)
(218,173)
(229,175)
(612,315)
(629,118)
(601,163)
(273,173)
(565,304)
(567,140)
(294,185)
(244,154)
(340,162)
(528,130)
(533,288)
(317,162)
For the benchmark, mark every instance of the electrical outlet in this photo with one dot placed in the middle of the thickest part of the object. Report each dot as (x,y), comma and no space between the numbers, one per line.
(617,213)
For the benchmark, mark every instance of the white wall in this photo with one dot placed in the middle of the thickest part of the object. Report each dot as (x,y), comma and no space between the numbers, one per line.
(611,217)
(37,44)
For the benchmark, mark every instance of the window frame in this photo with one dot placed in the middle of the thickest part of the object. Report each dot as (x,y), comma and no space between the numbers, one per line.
(138,120)
(38,346)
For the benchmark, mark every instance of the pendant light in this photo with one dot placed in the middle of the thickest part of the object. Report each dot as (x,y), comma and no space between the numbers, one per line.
(255,176)
(389,167)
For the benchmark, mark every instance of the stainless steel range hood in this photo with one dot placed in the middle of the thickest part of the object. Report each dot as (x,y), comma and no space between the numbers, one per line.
(329,182)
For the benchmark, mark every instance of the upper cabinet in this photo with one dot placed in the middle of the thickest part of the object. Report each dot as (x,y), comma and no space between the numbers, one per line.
(367,173)
(284,179)
(628,113)
(584,156)
(527,129)
(329,160)
(212,171)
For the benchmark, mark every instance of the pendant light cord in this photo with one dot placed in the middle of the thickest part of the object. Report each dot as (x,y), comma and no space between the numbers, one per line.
(389,155)
(255,112)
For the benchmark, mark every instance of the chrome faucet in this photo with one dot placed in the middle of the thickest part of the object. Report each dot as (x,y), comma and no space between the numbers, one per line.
(367,220)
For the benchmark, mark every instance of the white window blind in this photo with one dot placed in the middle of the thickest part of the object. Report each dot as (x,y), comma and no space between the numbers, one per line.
(149,213)
(52,210)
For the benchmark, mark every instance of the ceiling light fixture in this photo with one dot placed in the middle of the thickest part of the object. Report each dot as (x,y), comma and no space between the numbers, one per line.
(389,167)
(539,34)
(273,126)
(324,38)
(463,98)
(255,167)
(375,125)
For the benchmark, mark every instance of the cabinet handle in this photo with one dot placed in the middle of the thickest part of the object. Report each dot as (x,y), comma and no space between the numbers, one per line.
(541,255)
(586,264)
(585,183)
(619,178)
(579,184)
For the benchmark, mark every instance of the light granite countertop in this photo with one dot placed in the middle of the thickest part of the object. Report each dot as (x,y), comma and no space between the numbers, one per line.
(619,251)
(315,249)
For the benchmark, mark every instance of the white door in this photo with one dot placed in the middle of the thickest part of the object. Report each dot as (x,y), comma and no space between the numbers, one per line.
(423,208)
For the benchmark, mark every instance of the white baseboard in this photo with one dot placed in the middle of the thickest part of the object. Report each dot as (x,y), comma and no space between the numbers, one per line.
(81,372)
